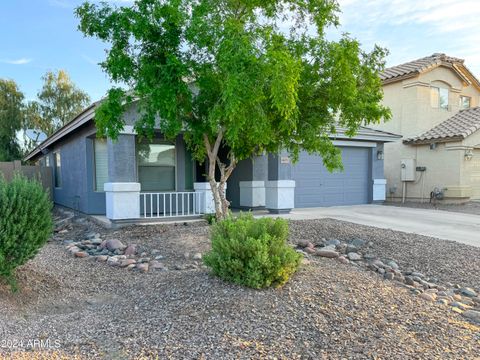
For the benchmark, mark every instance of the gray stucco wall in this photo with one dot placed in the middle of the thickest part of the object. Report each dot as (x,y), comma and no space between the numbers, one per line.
(77,188)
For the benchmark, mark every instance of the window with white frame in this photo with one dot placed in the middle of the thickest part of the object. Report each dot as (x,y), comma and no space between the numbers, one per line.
(156,166)
(101,163)
(439,97)
(465,102)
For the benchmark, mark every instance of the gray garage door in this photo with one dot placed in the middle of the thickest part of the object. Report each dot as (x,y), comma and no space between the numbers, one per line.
(315,186)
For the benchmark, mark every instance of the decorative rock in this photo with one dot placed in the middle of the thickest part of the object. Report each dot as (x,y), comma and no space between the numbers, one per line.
(305,261)
(74,249)
(144,260)
(197,256)
(427,296)
(310,250)
(186,255)
(351,248)
(112,261)
(442,301)
(358,243)
(305,243)
(143,267)
(328,253)
(419,274)
(131,250)
(333,242)
(460,305)
(353,256)
(468,292)
(389,276)
(155,251)
(81,254)
(114,244)
(159,257)
(131,266)
(399,278)
(126,262)
(381,271)
(392,264)
(473,315)
(101,258)
(96,241)
(343,260)
(409,281)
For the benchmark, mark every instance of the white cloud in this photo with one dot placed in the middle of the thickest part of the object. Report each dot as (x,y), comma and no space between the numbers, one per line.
(21,61)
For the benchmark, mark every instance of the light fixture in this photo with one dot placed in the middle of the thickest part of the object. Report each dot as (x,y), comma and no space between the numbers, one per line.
(433,146)
(468,154)
(380,155)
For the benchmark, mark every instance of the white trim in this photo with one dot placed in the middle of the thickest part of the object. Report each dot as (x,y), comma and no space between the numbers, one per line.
(280,195)
(354,143)
(252,193)
(122,200)
(128,130)
(379,189)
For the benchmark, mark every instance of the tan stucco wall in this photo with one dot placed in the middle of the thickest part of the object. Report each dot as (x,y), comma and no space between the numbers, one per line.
(413,114)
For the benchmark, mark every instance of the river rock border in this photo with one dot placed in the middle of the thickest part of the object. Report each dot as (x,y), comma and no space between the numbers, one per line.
(463,300)
(114,253)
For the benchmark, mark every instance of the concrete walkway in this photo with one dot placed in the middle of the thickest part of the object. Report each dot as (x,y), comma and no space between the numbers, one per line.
(464,228)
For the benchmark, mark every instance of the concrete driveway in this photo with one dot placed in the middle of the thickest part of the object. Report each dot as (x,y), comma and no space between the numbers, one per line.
(464,228)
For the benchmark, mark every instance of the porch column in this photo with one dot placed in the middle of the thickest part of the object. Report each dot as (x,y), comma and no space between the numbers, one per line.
(122,192)
(252,193)
(205,203)
(280,188)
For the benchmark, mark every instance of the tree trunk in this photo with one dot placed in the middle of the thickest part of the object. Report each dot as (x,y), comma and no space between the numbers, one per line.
(218,188)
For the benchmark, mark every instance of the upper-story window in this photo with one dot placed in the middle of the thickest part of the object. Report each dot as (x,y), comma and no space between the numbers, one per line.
(465,102)
(439,97)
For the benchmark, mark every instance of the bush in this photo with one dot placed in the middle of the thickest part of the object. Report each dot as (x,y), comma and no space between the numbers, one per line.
(25,223)
(252,252)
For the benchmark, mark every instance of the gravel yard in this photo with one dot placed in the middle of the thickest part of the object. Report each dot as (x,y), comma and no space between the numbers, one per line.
(471,207)
(328,310)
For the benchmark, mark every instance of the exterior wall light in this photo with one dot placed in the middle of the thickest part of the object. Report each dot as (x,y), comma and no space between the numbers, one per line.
(380,155)
(468,154)
(433,146)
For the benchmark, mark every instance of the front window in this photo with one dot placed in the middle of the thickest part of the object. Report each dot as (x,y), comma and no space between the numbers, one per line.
(465,102)
(101,163)
(156,166)
(57,164)
(439,97)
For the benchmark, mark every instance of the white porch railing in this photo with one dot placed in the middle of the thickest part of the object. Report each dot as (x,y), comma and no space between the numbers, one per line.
(171,204)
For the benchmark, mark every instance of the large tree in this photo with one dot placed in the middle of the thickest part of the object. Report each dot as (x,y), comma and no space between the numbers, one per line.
(251,76)
(11,120)
(59,101)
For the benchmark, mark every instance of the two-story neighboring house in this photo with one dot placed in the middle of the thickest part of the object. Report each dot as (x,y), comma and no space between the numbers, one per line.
(434,107)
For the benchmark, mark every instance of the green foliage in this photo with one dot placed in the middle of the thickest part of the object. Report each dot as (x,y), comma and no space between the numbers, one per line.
(211,67)
(59,101)
(11,120)
(252,252)
(25,223)
(210,218)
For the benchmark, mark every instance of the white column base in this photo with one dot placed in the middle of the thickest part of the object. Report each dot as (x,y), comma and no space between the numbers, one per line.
(206,204)
(379,189)
(280,195)
(252,193)
(122,200)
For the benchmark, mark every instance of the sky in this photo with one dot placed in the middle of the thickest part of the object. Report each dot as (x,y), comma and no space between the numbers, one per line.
(41,35)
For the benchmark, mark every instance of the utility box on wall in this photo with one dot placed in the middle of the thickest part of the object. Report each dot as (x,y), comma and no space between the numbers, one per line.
(408,169)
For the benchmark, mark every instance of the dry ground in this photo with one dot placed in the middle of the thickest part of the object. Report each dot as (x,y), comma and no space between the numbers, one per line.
(327,311)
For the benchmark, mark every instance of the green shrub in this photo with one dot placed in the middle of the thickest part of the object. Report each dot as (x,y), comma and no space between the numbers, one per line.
(252,252)
(25,223)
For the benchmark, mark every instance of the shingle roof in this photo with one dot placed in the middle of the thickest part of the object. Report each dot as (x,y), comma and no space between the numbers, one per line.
(458,127)
(415,67)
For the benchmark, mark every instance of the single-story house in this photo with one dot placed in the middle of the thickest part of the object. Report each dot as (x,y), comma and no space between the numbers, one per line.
(130,179)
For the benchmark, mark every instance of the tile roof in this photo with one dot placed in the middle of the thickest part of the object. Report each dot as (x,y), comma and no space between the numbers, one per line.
(457,127)
(415,67)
